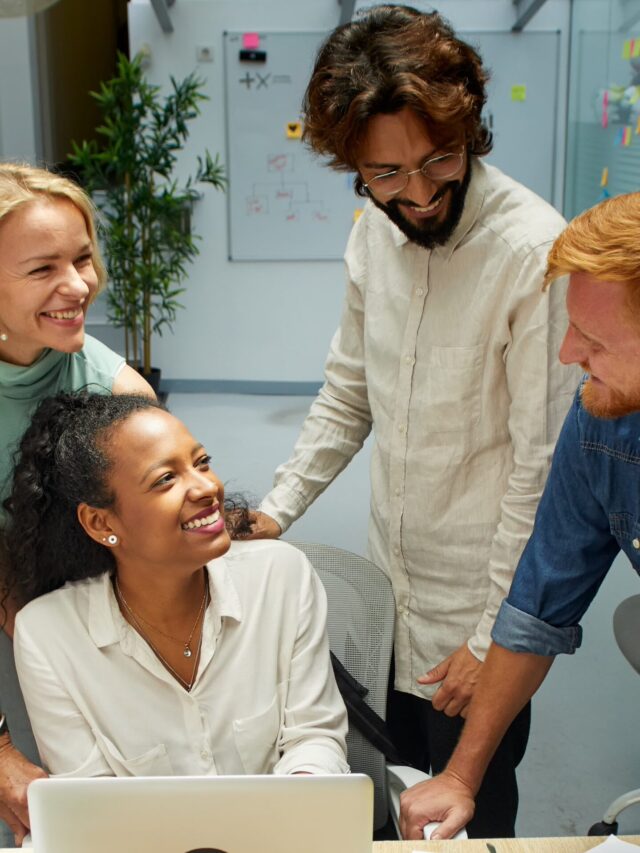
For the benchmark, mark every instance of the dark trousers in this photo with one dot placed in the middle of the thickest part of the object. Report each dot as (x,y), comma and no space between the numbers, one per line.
(426,738)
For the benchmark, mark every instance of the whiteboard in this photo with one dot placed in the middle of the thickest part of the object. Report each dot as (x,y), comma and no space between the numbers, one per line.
(283,202)
(286,204)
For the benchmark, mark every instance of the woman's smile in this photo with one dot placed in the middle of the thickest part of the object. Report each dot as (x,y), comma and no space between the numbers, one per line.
(208,522)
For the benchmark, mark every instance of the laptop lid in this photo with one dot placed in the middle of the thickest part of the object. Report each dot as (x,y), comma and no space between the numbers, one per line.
(211,814)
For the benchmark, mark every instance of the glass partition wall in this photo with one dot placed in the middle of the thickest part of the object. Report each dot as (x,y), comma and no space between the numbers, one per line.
(603,138)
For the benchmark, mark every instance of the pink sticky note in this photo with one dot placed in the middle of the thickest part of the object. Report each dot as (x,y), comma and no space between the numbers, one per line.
(250,41)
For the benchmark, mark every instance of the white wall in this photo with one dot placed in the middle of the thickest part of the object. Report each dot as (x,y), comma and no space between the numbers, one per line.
(17,92)
(243,321)
(272,321)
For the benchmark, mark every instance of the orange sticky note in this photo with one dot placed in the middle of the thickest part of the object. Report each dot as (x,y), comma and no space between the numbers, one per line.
(638,125)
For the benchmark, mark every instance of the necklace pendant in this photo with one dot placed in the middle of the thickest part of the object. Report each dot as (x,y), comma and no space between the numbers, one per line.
(187,651)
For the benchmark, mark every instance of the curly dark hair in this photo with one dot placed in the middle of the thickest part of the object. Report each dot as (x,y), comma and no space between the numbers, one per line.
(64,461)
(391,58)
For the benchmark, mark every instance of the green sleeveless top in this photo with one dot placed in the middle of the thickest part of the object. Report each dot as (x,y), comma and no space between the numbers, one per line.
(21,389)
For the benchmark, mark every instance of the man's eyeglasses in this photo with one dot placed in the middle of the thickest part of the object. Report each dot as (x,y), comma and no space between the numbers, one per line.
(436,168)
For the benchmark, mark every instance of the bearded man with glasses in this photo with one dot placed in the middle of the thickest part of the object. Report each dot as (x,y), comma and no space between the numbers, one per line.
(447,351)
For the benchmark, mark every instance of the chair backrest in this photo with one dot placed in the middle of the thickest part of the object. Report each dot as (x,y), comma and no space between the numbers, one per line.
(360,625)
(626,628)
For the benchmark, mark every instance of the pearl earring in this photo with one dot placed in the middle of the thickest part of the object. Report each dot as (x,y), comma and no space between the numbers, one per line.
(112,539)
(4,337)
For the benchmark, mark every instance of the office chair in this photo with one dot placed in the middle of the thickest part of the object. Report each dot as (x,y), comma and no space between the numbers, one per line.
(626,629)
(360,625)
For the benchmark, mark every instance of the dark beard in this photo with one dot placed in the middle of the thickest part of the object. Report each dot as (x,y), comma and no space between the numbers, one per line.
(430,233)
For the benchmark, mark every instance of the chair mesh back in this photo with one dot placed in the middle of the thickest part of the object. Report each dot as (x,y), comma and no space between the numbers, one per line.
(360,624)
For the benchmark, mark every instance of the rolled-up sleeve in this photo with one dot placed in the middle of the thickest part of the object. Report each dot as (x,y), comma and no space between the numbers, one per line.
(566,559)
(520,632)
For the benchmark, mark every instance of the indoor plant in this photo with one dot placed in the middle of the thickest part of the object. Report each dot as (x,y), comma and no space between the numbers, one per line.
(146,230)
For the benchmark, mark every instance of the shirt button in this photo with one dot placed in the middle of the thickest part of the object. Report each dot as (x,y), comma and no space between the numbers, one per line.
(205,755)
(419,291)
(402,428)
(396,551)
(408,359)
(398,492)
(636,543)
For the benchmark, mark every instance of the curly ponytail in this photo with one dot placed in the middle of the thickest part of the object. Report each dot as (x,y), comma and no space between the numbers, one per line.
(62,463)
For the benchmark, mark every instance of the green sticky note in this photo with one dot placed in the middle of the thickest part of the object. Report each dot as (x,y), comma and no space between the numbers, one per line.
(518,93)
(626,50)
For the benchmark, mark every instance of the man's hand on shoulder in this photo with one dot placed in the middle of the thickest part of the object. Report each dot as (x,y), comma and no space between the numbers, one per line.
(444,799)
(459,674)
(16,774)
(262,526)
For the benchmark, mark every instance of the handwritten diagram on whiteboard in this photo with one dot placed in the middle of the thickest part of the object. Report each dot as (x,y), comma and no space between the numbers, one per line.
(284,203)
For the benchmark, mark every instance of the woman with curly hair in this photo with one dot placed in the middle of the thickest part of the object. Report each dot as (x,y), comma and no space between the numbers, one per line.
(50,272)
(151,645)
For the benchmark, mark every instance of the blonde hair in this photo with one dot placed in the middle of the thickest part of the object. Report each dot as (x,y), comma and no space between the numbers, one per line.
(21,184)
(604,242)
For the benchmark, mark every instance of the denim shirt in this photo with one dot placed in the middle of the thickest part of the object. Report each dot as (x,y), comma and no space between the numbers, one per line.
(589,511)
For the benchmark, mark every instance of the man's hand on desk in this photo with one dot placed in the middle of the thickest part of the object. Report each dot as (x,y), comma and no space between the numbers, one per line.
(16,773)
(459,674)
(443,799)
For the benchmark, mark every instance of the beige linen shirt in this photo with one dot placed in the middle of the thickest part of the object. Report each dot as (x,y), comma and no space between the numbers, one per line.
(264,700)
(451,355)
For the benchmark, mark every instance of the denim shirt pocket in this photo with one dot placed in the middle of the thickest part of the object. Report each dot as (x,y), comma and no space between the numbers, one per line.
(626,528)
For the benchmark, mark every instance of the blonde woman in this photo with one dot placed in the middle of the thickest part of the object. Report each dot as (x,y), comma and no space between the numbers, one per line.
(50,273)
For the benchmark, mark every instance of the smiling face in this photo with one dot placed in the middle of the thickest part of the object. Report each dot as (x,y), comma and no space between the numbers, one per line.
(47,280)
(168,508)
(426,211)
(603,340)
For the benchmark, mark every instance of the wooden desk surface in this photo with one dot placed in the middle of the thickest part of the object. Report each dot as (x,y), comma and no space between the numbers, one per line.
(509,845)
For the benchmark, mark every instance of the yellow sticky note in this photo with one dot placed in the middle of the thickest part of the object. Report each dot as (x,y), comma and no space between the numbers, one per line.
(626,50)
(357,213)
(638,125)
(604,180)
(635,53)
(519,93)
(294,130)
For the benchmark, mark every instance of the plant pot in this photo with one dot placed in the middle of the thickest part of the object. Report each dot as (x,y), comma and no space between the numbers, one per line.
(152,378)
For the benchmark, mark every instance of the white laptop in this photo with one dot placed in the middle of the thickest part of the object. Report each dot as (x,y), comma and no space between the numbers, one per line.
(204,814)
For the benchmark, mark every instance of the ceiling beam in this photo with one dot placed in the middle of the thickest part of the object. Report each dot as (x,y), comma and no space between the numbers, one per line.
(525,10)
(346,11)
(161,8)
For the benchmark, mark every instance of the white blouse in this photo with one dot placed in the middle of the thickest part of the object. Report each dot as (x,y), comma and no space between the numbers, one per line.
(264,699)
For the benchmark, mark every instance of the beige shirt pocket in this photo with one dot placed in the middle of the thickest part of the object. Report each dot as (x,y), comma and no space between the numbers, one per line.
(256,739)
(153,762)
(453,386)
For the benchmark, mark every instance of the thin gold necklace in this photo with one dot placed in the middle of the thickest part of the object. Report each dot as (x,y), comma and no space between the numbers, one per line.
(186,684)
(187,652)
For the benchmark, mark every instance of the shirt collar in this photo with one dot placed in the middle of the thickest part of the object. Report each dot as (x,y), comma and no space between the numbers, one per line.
(107,625)
(472,207)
